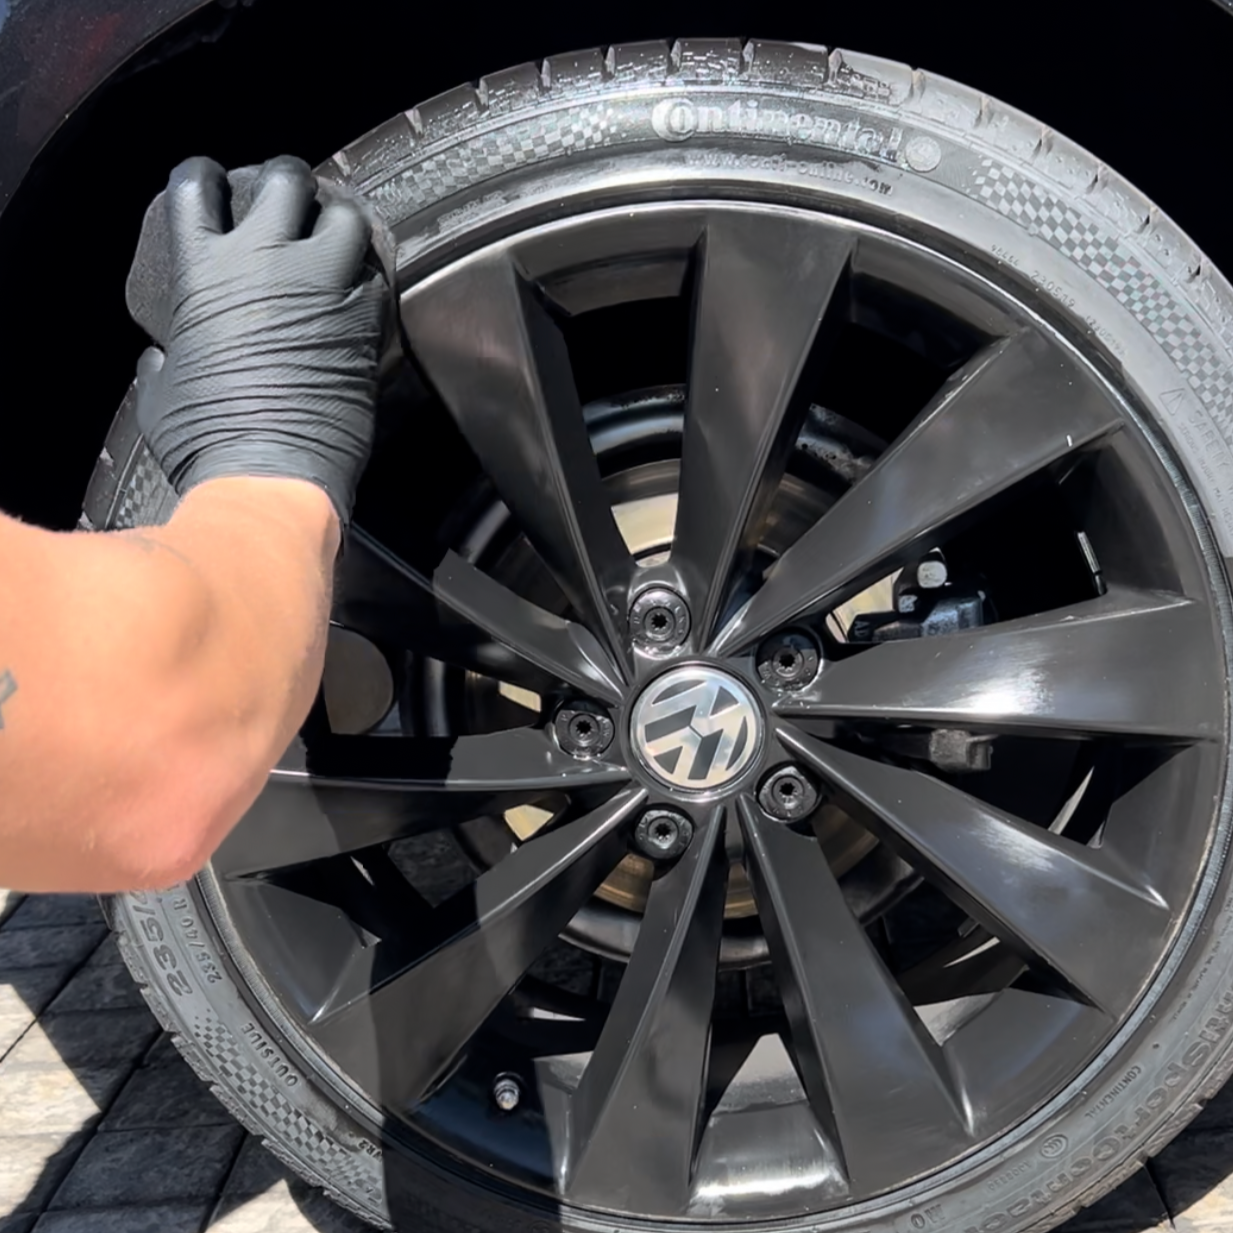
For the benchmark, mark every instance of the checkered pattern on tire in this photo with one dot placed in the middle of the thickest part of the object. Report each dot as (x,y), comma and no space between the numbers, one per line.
(146,496)
(253,1092)
(1102,255)
(534,140)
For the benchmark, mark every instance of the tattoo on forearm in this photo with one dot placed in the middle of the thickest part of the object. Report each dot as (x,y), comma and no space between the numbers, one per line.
(139,538)
(8,687)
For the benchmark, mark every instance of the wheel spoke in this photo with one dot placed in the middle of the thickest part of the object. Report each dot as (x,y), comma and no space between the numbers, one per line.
(564,648)
(501,365)
(973,965)
(328,923)
(549,1037)
(764,284)
(1123,664)
(876,1080)
(1020,405)
(636,1115)
(400,1038)
(1073,911)
(350,792)
(382,597)
(447,616)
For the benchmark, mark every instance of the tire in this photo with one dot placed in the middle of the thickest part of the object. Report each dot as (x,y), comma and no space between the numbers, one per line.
(869,139)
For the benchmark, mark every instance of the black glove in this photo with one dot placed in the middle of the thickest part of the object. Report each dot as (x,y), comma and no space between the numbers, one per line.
(272,330)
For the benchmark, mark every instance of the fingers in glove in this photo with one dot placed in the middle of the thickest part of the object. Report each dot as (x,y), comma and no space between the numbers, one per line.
(340,239)
(283,197)
(147,389)
(197,197)
(150,364)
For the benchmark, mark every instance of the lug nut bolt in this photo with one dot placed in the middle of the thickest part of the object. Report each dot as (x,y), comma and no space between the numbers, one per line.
(788,794)
(788,660)
(583,729)
(507,1093)
(659,621)
(663,834)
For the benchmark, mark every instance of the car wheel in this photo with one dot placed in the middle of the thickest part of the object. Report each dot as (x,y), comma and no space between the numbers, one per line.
(771,768)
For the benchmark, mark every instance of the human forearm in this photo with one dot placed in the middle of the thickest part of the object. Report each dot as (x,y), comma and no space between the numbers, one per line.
(262,552)
(139,735)
(154,676)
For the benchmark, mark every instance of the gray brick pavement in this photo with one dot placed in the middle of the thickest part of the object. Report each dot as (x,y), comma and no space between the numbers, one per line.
(105,1129)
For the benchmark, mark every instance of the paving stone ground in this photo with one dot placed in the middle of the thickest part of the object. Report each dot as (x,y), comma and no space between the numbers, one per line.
(104,1129)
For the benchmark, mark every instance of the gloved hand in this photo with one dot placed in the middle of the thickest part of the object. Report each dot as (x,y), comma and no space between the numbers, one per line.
(273,334)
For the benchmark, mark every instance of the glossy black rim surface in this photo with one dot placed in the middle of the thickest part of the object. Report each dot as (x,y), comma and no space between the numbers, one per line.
(749,794)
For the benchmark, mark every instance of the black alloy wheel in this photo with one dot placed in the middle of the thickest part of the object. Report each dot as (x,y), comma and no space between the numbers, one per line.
(774,735)
(1054,935)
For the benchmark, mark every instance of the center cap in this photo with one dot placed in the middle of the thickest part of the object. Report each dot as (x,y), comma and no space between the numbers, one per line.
(696,728)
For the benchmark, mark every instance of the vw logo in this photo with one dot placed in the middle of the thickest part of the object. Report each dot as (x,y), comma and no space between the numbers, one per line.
(696,728)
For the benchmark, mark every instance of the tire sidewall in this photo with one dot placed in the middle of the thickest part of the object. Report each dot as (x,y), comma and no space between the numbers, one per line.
(921,157)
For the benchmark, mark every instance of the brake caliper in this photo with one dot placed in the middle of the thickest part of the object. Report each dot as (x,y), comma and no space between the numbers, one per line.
(928,603)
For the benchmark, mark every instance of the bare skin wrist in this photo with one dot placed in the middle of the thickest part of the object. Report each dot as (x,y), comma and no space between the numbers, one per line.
(288,499)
